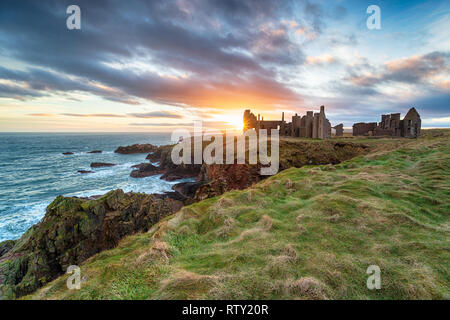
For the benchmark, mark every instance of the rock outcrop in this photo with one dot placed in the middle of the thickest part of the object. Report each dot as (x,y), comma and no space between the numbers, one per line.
(187,189)
(166,167)
(85,171)
(145,170)
(95,151)
(101,164)
(67,153)
(223,178)
(72,230)
(136,148)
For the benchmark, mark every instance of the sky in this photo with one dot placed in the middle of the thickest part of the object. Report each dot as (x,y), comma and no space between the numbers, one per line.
(144,66)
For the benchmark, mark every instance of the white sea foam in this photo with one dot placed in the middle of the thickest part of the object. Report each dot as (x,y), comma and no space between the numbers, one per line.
(21,218)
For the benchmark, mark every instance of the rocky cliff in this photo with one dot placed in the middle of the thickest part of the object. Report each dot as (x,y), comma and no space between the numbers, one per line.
(72,230)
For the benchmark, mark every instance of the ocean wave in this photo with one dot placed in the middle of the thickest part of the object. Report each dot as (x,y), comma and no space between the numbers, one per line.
(16,221)
(34,172)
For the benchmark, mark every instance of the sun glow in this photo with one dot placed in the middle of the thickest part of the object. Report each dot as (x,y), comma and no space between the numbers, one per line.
(234,120)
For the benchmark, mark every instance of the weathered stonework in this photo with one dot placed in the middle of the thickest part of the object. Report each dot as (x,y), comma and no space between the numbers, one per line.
(391,125)
(339,130)
(311,125)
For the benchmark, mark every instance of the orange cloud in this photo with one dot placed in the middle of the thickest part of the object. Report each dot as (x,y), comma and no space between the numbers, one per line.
(323,59)
(41,114)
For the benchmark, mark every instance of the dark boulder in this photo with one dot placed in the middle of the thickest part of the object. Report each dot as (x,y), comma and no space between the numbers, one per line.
(187,189)
(101,164)
(145,170)
(67,153)
(85,171)
(136,148)
(95,151)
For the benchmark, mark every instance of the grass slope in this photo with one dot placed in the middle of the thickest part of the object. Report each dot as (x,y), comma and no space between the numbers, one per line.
(307,233)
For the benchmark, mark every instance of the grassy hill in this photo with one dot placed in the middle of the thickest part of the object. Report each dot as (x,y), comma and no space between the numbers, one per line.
(307,233)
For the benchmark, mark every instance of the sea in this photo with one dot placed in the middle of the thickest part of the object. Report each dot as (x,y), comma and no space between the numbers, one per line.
(34,171)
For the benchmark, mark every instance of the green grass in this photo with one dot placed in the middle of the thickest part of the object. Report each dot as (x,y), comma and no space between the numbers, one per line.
(307,233)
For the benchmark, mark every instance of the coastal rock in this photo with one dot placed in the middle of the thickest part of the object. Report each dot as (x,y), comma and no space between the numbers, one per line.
(73,230)
(187,189)
(145,170)
(136,148)
(169,170)
(95,151)
(176,172)
(160,153)
(101,164)
(85,171)
(67,153)
(223,178)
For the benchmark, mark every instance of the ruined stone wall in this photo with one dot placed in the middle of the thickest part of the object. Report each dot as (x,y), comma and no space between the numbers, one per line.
(391,125)
(296,125)
(250,121)
(411,124)
(339,130)
(312,125)
(363,128)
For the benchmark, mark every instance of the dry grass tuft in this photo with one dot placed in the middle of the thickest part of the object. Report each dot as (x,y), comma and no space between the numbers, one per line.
(288,184)
(185,230)
(220,208)
(301,228)
(307,287)
(159,250)
(247,234)
(334,218)
(266,222)
(228,226)
(223,203)
(159,231)
(290,251)
(184,284)
(176,220)
(278,267)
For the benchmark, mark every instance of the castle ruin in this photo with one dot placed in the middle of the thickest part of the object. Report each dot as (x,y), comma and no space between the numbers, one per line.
(391,125)
(311,125)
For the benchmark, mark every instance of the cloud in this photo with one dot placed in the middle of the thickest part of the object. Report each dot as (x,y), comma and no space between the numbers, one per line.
(205,124)
(321,60)
(227,51)
(208,55)
(94,115)
(411,70)
(184,124)
(41,114)
(18,92)
(156,114)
